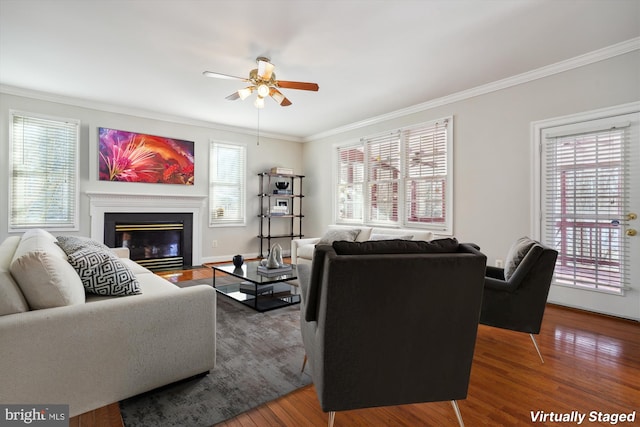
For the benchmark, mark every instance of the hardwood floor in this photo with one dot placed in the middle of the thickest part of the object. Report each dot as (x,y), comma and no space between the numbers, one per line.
(592,363)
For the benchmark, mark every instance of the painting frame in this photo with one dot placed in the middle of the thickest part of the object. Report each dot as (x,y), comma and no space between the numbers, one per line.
(126,156)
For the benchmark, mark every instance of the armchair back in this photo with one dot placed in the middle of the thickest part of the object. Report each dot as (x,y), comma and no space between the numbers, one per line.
(390,328)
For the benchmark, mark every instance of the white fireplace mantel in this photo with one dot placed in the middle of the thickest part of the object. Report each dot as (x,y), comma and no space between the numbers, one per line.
(101,203)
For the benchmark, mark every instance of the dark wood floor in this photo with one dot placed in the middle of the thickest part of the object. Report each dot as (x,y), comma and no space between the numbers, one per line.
(592,363)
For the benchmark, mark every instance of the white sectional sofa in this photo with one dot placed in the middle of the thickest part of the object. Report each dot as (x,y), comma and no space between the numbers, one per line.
(61,345)
(302,249)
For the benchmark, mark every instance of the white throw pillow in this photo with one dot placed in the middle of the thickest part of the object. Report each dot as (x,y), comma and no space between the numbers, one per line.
(11,298)
(516,254)
(333,235)
(390,236)
(43,274)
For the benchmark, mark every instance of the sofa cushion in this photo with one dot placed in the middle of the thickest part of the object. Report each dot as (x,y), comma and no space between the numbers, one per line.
(11,298)
(44,275)
(375,236)
(516,254)
(396,247)
(102,272)
(333,235)
(71,244)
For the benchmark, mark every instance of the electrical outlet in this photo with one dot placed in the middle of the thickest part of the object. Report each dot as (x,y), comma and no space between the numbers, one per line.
(499,263)
(214,243)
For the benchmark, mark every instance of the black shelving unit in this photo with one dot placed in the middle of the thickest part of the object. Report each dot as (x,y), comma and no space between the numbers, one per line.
(268,193)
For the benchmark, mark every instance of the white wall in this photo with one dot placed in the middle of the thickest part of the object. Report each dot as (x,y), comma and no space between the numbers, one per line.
(492,149)
(231,240)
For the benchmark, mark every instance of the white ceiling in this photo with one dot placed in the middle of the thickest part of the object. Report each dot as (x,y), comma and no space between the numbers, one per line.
(370,57)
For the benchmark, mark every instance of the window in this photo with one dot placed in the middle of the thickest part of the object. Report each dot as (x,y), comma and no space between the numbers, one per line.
(227,189)
(43,172)
(402,178)
(585,195)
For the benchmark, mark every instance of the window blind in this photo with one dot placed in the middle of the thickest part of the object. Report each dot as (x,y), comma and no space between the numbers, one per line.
(586,195)
(227,184)
(383,177)
(399,178)
(426,174)
(43,172)
(350,187)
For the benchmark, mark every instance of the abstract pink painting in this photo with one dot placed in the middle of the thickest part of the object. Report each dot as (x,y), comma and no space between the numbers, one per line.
(137,157)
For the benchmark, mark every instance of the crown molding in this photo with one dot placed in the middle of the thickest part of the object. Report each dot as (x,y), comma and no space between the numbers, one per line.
(147,114)
(529,76)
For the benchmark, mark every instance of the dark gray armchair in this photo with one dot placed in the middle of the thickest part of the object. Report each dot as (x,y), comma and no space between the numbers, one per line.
(391,322)
(515,297)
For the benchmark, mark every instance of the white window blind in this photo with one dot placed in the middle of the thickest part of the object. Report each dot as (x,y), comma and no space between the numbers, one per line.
(383,178)
(227,184)
(43,172)
(401,178)
(350,189)
(427,175)
(585,195)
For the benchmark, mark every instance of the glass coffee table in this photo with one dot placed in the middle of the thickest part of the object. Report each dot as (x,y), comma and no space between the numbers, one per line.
(258,291)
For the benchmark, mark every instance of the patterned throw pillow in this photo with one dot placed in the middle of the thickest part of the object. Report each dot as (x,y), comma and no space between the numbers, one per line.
(71,244)
(516,254)
(334,235)
(103,273)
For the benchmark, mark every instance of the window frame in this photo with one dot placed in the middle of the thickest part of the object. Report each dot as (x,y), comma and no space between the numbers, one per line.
(73,200)
(399,182)
(242,218)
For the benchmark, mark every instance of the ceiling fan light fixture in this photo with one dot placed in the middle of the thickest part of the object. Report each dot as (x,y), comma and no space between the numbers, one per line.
(263,90)
(259,102)
(244,93)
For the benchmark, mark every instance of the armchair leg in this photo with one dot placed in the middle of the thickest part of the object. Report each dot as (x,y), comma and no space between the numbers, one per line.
(458,414)
(332,417)
(304,363)
(535,344)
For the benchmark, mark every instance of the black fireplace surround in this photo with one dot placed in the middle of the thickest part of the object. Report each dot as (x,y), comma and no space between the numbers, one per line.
(158,241)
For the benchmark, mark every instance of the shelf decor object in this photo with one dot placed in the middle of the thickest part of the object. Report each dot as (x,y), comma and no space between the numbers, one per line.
(280,201)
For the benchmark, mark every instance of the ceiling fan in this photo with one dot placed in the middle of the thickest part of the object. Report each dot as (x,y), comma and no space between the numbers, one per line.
(263,81)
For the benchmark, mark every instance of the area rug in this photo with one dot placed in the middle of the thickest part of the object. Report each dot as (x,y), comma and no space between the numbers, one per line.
(259,356)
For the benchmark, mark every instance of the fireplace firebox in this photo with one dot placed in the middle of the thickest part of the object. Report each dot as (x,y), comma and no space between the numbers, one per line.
(157,241)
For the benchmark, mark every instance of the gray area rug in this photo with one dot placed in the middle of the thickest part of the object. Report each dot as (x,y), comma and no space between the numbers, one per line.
(259,356)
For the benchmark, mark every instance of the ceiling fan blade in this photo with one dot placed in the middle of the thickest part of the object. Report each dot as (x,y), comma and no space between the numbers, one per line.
(223,76)
(235,95)
(298,85)
(265,69)
(279,97)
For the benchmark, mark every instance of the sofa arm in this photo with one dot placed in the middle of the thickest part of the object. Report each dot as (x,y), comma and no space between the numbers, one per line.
(94,354)
(297,243)
(121,252)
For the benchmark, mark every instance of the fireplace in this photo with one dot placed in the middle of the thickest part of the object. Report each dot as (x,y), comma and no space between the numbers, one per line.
(157,241)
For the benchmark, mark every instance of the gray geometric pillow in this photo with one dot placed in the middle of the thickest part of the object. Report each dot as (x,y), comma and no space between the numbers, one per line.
(334,235)
(103,273)
(516,254)
(71,244)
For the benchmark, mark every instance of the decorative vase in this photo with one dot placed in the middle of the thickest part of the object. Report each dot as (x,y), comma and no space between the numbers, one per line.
(281,185)
(238,260)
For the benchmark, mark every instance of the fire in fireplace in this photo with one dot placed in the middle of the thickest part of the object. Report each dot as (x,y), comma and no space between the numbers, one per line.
(157,241)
